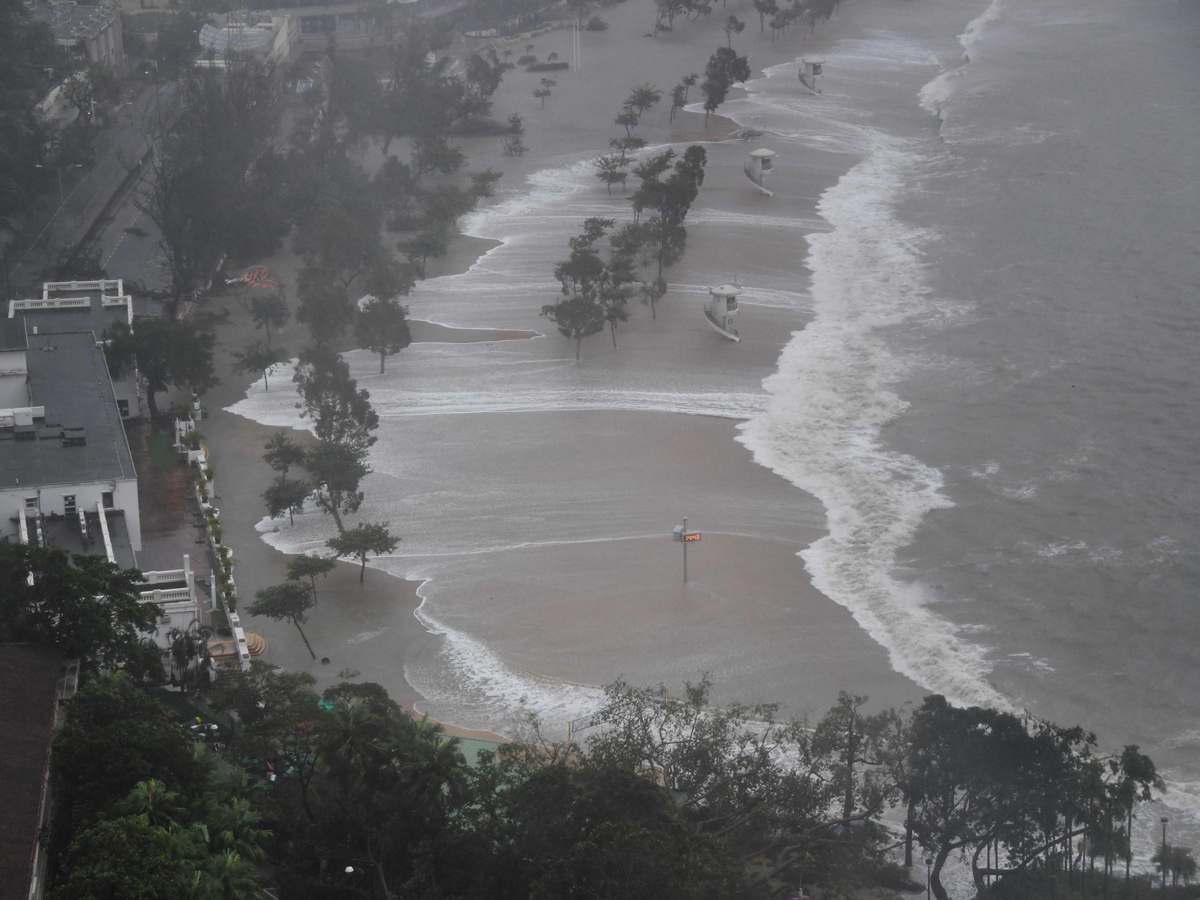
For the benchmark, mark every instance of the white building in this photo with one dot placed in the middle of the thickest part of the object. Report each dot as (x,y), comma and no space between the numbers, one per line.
(66,474)
(78,306)
(62,445)
(272,39)
(90,31)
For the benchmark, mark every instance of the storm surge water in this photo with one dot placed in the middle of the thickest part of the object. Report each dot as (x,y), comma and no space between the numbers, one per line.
(830,400)
(969,333)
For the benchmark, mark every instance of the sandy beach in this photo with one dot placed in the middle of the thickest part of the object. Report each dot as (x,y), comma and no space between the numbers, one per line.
(535,496)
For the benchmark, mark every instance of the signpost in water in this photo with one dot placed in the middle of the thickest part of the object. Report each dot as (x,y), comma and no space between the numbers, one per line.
(681,535)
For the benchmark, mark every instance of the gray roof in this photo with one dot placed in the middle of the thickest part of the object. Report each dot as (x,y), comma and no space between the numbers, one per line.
(64,533)
(68,376)
(12,334)
(95,318)
(70,22)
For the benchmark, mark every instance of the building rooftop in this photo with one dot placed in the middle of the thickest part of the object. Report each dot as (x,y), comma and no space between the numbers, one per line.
(80,439)
(65,534)
(70,21)
(28,689)
(12,334)
(239,37)
(64,306)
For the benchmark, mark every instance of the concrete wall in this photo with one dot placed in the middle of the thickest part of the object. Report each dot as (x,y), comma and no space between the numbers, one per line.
(125,498)
(14,380)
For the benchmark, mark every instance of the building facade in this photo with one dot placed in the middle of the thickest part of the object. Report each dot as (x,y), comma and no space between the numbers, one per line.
(91,32)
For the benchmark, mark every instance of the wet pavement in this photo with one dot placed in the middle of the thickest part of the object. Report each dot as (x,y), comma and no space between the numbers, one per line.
(171,521)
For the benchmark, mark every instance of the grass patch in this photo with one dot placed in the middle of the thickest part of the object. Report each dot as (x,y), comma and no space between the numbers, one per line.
(162,450)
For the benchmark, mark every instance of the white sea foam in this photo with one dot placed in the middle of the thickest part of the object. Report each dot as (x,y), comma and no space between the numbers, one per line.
(830,399)
(475,682)
(277,408)
(936,94)
(974,30)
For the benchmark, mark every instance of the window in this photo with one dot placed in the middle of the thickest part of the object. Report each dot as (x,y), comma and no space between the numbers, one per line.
(31,503)
(123,408)
(106,499)
(69,505)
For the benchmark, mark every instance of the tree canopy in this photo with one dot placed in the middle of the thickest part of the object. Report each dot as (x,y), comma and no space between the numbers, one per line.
(83,606)
(167,352)
(363,540)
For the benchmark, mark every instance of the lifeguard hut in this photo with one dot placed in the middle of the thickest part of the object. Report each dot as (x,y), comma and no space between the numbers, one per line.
(721,307)
(759,167)
(811,68)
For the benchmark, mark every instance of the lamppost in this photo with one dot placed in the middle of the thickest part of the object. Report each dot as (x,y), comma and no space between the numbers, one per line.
(928,875)
(1164,821)
(59,169)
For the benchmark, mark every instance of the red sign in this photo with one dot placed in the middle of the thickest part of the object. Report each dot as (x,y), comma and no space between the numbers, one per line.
(693,536)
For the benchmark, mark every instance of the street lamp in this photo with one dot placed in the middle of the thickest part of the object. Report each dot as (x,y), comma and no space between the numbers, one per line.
(928,875)
(59,169)
(1164,821)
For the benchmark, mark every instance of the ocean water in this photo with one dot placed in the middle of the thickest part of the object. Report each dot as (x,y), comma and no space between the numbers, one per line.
(974,351)
(1009,450)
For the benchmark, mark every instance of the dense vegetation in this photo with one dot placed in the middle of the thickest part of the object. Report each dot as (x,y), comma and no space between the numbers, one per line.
(672,797)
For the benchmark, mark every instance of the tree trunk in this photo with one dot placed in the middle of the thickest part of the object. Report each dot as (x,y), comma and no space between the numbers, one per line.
(363,571)
(1129,846)
(612,326)
(578,344)
(382,355)
(337,518)
(935,876)
(851,749)
(266,385)
(150,391)
(306,643)
(908,834)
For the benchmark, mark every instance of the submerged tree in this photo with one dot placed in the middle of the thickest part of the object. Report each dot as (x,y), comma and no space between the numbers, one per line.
(610,169)
(381,326)
(363,540)
(337,470)
(309,566)
(290,600)
(269,312)
(724,68)
(258,359)
(282,453)
(286,495)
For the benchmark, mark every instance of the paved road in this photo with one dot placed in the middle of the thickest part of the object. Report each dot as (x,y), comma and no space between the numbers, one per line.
(118,147)
(129,241)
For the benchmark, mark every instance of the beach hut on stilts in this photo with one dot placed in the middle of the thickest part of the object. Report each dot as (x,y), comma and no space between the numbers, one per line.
(811,68)
(721,307)
(759,167)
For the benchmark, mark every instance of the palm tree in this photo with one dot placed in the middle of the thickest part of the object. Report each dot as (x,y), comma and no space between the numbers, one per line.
(154,804)
(234,826)
(188,648)
(233,878)
(353,742)
(436,772)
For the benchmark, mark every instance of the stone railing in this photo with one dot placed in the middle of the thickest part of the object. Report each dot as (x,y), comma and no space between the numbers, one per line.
(101,285)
